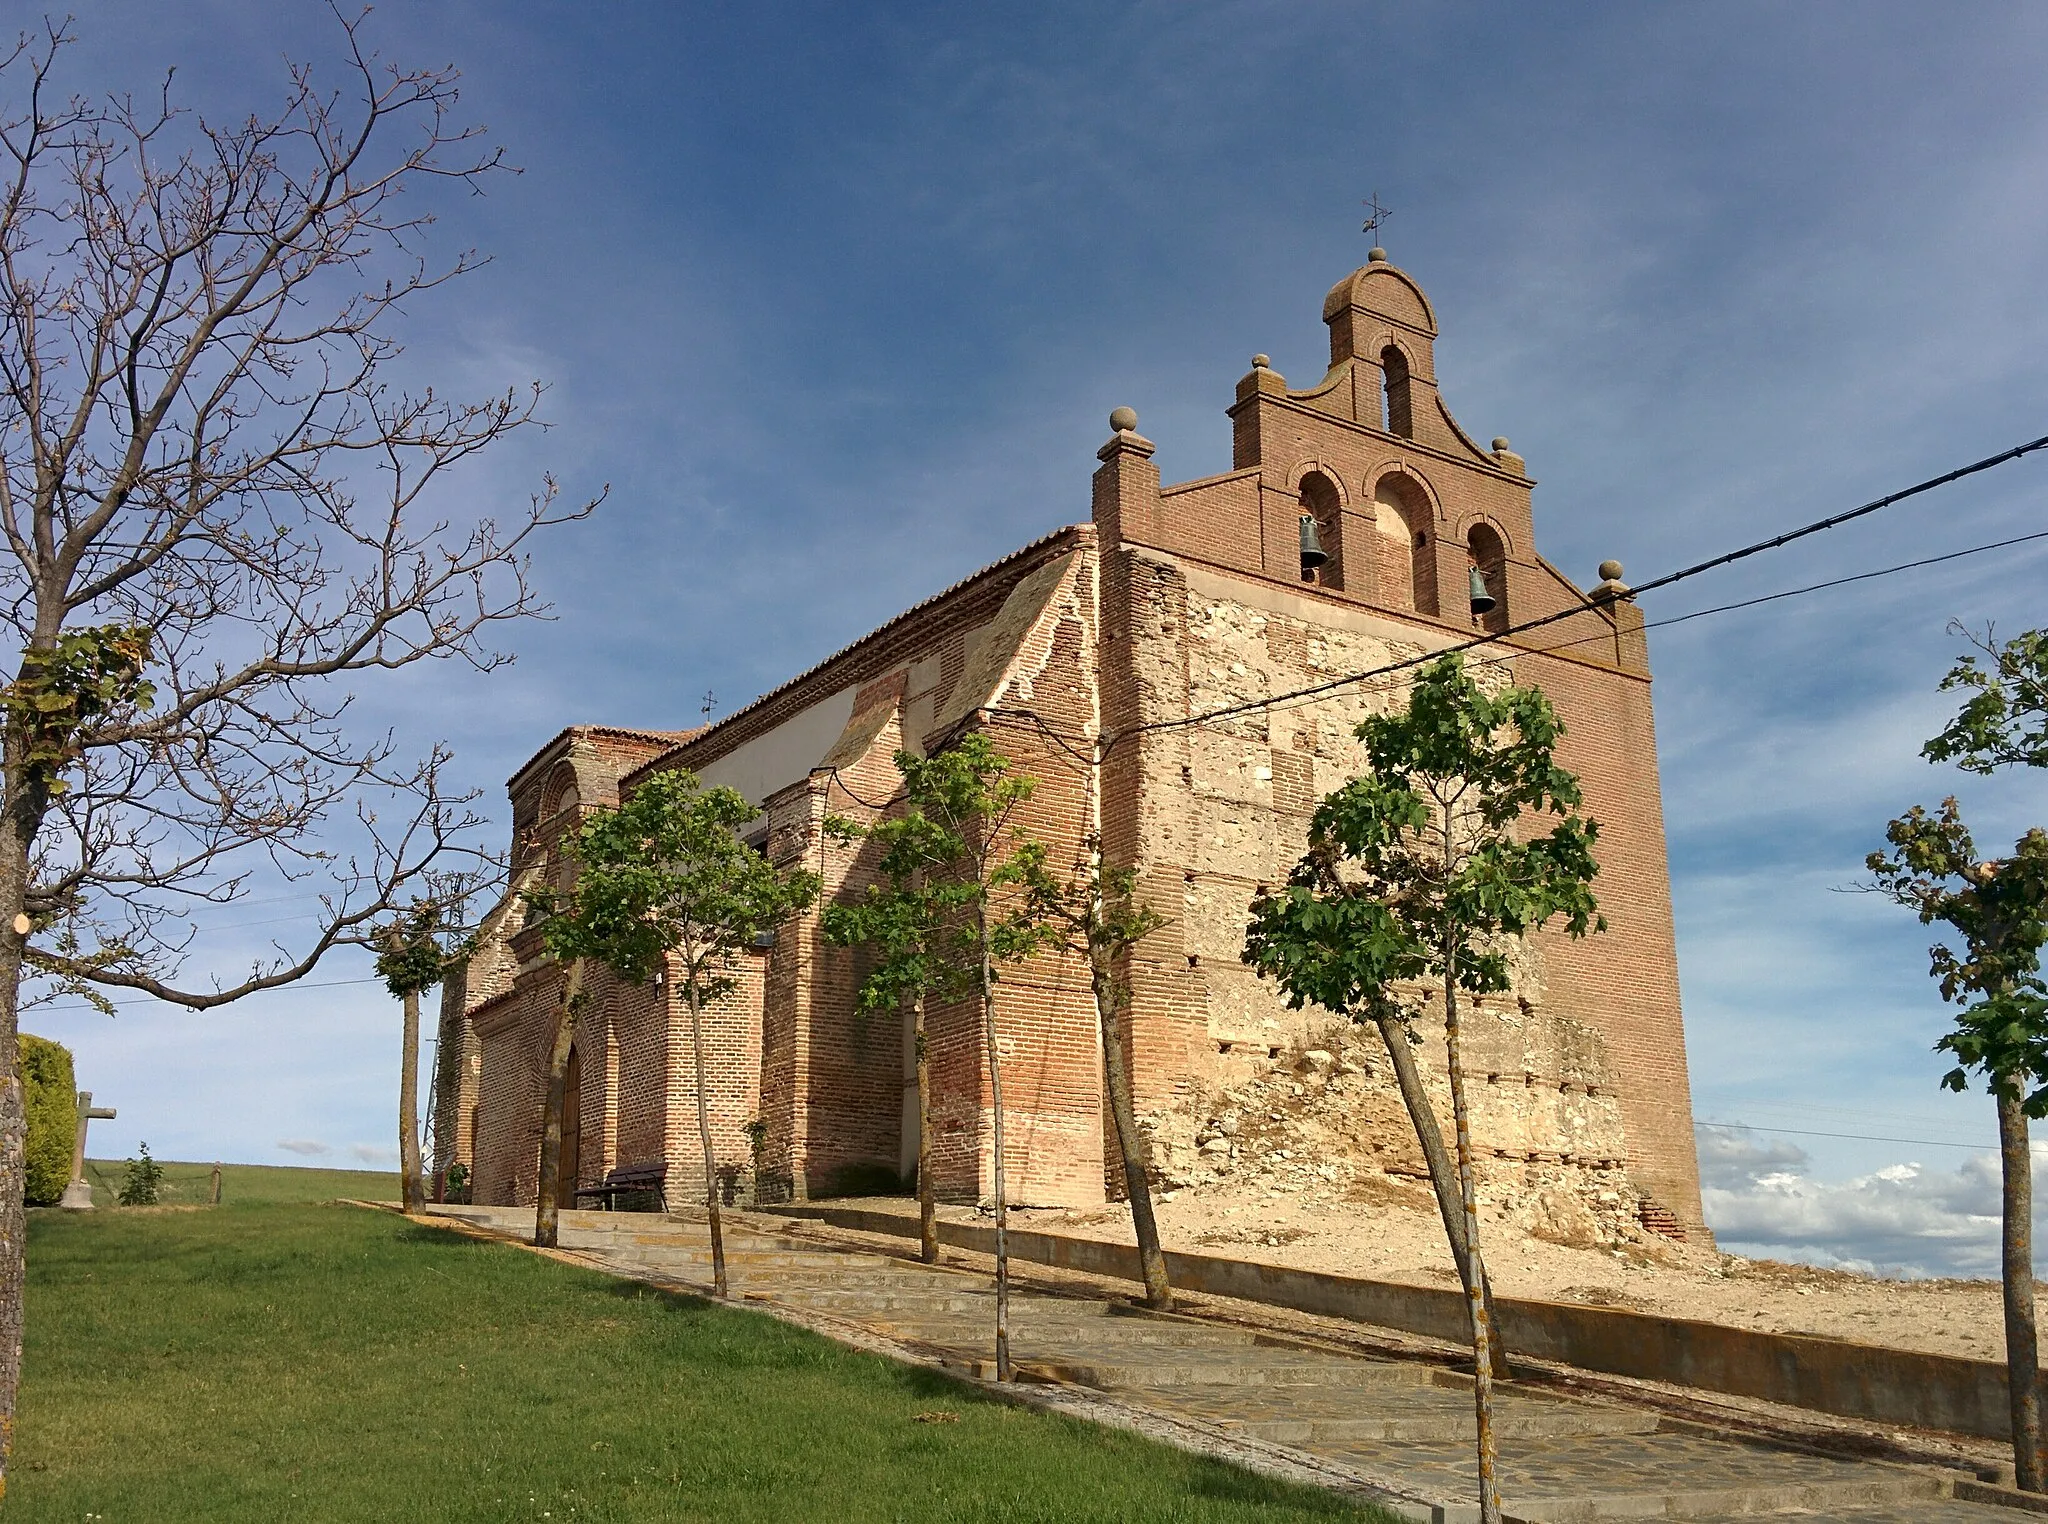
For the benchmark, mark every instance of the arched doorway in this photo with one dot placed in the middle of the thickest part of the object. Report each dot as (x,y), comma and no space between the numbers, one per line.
(572,1132)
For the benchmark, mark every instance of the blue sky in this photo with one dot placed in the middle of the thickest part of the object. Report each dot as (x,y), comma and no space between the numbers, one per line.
(836,301)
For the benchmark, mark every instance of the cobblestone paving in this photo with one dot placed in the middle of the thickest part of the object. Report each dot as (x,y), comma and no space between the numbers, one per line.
(1393,1427)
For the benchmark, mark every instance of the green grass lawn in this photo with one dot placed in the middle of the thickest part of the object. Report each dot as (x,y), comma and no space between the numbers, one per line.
(271,1361)
(246,1184)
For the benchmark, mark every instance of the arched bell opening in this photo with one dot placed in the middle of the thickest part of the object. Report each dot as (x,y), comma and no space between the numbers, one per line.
(1407,554)
(1487,578)
(1322,531)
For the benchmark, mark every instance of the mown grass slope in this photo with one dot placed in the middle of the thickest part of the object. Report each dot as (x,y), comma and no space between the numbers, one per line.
(304,1362)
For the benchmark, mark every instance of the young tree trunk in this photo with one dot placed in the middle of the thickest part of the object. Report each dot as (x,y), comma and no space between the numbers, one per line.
(13,1142)
(1443,1178)
(1130,1142)
(2022,1352)
(412,1190)
(995,1085)
(445,1104)
(927,1186)
(704,1136)
(27,802)
(544,1206)
(1482,1328)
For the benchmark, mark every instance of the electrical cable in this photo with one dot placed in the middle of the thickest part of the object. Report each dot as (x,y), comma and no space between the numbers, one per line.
(1712,563)
(1816,587)
(1856,1137)
(1286,699)
(1110,740)
(301,984)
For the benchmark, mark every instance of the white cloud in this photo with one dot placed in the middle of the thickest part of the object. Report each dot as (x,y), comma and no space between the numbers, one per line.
(1902,1219)
(370,1153)
(307,1146)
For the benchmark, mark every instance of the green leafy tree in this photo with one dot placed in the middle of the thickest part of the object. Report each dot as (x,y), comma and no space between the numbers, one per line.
(1996,913)
(916,925)
(665,883)
(1097,914)
(415,952)
(143,1182)
(968,858)
(52,1117)
(1421,871)
(2004,722)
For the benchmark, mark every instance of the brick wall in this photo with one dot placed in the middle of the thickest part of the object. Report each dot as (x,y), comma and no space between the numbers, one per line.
(1178,601)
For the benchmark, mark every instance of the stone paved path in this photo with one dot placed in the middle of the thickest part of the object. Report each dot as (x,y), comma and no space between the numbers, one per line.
(1398,1430)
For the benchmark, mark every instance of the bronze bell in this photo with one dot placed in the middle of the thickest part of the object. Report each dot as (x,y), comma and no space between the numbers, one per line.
(1312,552)
(1482,600)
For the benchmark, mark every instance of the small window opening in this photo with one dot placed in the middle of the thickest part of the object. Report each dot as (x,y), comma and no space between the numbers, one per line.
(1400,411)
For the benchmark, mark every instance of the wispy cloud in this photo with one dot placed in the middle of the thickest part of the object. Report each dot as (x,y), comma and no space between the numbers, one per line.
(1904,1219)
(371,1153)
(310,1147)
(831,363)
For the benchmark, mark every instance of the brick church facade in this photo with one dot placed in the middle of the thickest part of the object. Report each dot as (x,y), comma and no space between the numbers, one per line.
(1173,601)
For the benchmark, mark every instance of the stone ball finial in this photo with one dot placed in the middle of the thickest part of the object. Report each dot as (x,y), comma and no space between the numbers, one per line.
(1610,571)
(1261,362)
(1376,255)
(1124,419)
(1500,443)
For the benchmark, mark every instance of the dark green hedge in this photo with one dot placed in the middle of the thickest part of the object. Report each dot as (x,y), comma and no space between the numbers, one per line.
(52,1117)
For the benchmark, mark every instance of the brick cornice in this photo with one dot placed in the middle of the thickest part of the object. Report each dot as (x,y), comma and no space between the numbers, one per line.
(1336,599)
(1290,404)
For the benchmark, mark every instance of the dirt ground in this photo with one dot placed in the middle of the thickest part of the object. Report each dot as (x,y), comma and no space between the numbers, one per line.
(1385,1228)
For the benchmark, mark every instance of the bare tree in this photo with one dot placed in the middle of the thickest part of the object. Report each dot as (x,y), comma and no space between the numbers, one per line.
(219,506)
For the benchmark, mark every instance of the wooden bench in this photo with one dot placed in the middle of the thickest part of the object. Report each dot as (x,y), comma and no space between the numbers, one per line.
(630,1179)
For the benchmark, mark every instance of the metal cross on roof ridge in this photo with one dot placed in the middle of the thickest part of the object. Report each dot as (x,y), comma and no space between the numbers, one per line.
(1376,215)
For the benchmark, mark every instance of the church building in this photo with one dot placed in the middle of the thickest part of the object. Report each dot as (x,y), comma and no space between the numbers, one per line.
(1359,525)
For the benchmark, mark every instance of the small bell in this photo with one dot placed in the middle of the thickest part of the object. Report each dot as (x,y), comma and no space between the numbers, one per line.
(1312,552)
(1482,600)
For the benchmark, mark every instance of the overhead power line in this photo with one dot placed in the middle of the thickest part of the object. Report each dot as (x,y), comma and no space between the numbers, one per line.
(1856,1137)
(282,989)
(1712,563)
(1815,587)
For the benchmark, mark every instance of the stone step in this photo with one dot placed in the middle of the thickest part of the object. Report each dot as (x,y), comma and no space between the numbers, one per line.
(1236,1369)
(797,1272)
(1538,1420)
(1553,1479)
(1310,1417)
(1916,1511)
(872,1304)
(627,1247)
(1071,1335)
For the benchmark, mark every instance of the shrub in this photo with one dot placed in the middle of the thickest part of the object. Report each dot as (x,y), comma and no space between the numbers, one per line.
(144,1178)
(52,1100)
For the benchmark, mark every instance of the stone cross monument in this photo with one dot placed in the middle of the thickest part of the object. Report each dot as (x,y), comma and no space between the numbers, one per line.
(78,1194)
